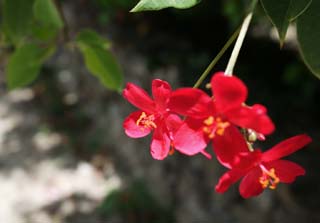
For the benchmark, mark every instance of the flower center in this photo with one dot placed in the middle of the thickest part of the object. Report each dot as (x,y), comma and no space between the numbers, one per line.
(268,178)
(146,121)
(214,126)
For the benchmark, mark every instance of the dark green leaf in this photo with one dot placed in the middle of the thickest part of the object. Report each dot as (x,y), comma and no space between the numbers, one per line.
(282,12)
(46,12)
(43,33)
(145,5)
(308,30)
(92,38)
(25,63)
(17,18)
(99,59)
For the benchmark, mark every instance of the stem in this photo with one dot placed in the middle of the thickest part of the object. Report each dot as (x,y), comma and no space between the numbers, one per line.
(66,33)
(217,58)
(238,45)
(239,42)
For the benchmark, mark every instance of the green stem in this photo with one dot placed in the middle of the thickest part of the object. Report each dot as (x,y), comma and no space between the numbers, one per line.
(217,58)
(66,31)
(239,42)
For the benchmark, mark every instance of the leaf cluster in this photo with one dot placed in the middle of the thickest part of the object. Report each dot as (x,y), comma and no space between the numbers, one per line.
(32,30)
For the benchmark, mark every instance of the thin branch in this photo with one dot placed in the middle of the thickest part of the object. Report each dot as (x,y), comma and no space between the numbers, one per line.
(217,58)
(66,30)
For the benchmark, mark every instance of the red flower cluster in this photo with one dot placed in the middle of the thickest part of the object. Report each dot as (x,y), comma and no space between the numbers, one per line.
(187,119)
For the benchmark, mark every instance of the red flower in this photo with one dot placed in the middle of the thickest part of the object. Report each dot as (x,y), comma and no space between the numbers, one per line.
(259,170)
(208,117)
(153,115)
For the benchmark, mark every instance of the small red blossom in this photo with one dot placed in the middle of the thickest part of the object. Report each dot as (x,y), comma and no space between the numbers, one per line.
(258,170)
(154,115)
(208,116)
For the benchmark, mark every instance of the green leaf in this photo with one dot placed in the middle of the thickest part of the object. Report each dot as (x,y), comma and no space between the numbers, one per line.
(25,63)
(282,12)
(17,19)
(43,33)
(46,12)
(308,31)
(99,60)
(145,5)
(91,38)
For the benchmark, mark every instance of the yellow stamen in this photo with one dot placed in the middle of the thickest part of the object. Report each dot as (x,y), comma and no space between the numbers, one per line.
(146,121)
(264,183)
(211,135)
(268,178)
(209,120)
(206,129)
(221,126)
(220,132)
(214,126)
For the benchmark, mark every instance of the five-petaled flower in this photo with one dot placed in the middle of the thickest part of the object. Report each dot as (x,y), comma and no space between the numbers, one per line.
(259,170)
(208,117)
(153,115)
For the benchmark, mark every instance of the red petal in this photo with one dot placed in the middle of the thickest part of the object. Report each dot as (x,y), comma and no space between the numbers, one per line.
(132,129)
(191,102)
(251,117)
(229,92)
(250,185)
(189,138)
(287,171)
(160,144)
(229,146)
(248,160)
(286,147)
(227,179)
(173,123)
(161,91)
(139,98)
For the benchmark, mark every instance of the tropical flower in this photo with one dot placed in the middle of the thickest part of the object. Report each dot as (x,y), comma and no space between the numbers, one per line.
(153,115)
(259,170)
(208,116)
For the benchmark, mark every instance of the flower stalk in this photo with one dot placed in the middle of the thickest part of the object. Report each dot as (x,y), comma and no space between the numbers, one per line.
(239,42)
(217,58)
(238,45)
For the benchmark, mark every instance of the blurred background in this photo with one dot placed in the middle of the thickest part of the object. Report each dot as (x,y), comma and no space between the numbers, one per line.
(64,157)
